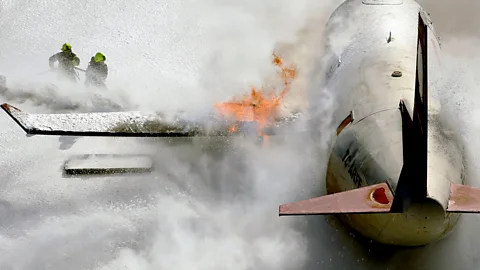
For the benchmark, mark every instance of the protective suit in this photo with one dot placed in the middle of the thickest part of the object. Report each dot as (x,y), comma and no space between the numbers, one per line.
(97,71)
(67,61)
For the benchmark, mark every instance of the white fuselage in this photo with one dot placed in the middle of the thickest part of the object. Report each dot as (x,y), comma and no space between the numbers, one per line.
(366,44)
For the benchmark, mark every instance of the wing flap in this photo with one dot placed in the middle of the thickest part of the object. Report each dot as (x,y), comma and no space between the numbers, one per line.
(464,199)
(371,199)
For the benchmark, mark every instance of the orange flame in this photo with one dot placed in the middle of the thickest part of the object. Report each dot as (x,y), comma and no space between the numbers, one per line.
(260,106)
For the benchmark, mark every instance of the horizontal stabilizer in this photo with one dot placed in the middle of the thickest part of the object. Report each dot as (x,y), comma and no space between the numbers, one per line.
(464,199)
(118,124)
(372,199)
(108,164)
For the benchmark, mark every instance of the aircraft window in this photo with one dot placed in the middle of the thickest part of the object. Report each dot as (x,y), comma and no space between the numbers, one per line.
(349,119)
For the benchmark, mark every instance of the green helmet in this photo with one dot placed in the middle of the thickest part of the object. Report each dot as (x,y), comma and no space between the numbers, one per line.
(99,57)
(66,47)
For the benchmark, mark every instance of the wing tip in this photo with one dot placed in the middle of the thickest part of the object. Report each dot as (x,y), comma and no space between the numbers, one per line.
(464,199)
(8,108)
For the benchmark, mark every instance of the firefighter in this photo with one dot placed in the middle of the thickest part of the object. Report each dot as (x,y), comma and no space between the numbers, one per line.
(67,61)
(97,71)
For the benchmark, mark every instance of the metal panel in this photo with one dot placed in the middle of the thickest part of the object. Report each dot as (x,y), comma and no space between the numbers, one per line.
(108,164)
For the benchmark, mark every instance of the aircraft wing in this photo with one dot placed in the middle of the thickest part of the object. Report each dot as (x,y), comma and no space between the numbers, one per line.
(121,124)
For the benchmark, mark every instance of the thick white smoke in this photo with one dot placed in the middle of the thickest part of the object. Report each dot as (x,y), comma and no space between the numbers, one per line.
(202,208)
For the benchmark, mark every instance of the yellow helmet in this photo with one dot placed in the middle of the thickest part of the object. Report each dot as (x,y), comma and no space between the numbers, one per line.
(99,57)
(66,47)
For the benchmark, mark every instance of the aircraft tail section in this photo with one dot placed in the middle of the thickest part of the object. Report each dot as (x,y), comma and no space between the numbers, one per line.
(413,183)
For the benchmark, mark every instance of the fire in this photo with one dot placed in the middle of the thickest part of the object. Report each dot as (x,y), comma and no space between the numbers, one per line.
(260,106)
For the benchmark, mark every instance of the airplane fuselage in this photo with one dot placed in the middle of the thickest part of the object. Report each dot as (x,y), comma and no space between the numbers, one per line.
(371,67)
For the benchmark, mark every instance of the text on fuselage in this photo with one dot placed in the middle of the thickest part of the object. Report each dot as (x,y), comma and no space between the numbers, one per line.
(352,171)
